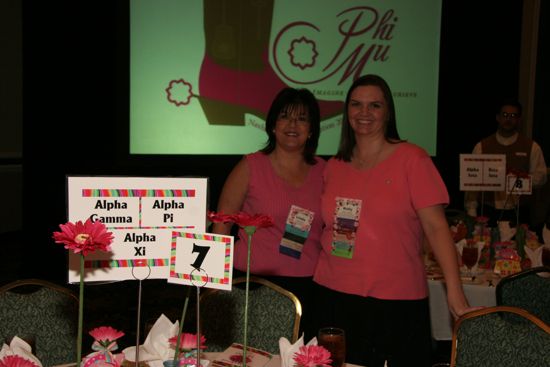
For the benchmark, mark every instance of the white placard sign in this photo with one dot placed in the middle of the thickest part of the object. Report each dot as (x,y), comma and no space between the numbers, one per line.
(482,172)
(141,212)
(202,260)
(519,185)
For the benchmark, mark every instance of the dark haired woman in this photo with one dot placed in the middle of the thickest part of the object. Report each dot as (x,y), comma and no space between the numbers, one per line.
(381,196)
(283,180)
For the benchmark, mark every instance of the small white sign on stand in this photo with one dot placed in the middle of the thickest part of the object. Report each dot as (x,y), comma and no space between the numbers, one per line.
(142,213)
(519,185)
(201,260)
(482,172)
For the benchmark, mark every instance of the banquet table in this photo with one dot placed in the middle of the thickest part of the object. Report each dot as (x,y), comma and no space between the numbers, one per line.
(210,356)
(480,292)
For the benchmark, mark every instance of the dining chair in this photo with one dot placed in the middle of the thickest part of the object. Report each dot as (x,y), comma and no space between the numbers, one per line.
(528,289)
(273,312)
(486,338)
(43,313)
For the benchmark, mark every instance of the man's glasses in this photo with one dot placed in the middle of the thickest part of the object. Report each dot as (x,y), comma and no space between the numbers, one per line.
(511,115)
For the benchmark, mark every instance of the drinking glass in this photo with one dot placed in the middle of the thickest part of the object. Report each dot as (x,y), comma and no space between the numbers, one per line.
(334,340)
(470,254)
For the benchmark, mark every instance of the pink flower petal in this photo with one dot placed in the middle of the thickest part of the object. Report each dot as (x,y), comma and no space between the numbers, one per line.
(85,237)
(312,356)
(187,341)
(16,361)
(106,334)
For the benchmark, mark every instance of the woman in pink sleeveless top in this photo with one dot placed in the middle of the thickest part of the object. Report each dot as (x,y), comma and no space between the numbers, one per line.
(283,180)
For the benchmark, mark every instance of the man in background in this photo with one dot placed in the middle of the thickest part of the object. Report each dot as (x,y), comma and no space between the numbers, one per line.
(523,156)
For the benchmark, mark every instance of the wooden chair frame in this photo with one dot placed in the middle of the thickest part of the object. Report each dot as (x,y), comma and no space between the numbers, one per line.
(38,282)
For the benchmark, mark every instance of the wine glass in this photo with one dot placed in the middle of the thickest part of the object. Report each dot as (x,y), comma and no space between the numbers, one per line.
(470,254)
(334,340)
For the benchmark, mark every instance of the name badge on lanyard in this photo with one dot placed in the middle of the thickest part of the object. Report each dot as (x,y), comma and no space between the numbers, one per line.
(297,227)
(346,222)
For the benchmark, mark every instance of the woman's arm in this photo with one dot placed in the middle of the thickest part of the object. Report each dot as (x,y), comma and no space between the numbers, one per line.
(437,231)
(233,195)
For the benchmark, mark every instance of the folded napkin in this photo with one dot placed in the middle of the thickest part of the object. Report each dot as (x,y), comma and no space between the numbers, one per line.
(19,347)
(287,350)
(535,255)
(156,347)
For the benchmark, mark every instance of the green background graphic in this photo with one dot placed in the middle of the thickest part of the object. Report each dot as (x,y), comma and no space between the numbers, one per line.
(168,44)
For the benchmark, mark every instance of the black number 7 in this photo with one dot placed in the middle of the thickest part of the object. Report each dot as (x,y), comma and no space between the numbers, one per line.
(202,250)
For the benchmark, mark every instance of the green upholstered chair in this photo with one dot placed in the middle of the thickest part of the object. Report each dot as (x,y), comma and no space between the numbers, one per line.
(273,312)
(43,312)
(529,289)
(485,338)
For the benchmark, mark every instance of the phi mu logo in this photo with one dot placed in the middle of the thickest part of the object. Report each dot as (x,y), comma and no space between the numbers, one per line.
(248,59)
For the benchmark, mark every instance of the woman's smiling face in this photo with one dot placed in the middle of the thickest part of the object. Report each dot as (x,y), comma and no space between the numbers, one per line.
(368,111)
(292,128)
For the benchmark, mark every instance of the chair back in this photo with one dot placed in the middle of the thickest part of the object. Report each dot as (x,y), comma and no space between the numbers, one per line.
(486,338)
(529,289)
(45,314)
(273,312)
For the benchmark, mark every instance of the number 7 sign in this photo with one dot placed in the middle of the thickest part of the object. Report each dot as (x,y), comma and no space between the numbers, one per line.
(201,259)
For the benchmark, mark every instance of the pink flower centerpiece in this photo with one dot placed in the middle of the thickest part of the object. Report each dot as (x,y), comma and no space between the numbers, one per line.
(250,223)
(312,356)
(83,238)
(104,345)
(16,361)
(105,338)
(187,346)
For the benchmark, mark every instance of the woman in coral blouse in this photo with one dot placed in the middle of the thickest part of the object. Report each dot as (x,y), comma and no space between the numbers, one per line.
(381,196)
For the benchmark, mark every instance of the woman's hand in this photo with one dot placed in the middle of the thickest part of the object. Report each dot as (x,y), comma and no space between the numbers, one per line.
(439,236)
(458,305)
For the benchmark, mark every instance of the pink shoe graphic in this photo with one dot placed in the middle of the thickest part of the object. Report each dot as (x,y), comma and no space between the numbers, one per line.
(236,77)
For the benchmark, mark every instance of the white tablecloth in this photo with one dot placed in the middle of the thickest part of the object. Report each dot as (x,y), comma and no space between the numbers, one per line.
(482,294)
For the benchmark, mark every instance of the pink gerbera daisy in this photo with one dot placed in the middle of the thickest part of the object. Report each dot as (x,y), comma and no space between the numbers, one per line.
(84,237)
(312,356)
(106,335)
